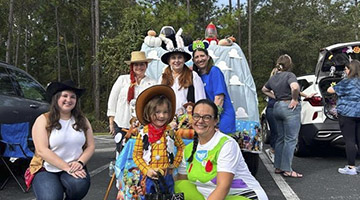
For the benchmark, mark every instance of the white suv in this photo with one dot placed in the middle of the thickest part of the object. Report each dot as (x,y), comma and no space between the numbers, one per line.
(319,122)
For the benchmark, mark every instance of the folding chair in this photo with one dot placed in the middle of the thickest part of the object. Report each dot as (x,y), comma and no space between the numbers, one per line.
(14,140)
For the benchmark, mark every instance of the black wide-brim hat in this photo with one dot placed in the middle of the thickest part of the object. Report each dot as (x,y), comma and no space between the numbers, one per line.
(55,87)
(165,57)
(149,93)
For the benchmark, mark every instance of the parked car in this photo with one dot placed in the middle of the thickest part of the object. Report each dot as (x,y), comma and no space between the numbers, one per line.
(22,98)
(319,123)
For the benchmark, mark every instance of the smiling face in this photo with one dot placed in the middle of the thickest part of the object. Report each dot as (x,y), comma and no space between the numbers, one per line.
(139,69)
(176,62)
(66,101)
(204,128)
(161,115)
(201,60)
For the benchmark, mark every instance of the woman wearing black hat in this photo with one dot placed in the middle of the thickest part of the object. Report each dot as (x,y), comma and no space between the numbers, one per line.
(187,85)
(64,141)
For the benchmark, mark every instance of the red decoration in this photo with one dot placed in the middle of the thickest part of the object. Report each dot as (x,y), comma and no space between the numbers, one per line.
(208,166)
(190,167)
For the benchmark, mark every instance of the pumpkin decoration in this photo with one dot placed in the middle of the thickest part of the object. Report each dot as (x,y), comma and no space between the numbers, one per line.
(151,33)
(151,40)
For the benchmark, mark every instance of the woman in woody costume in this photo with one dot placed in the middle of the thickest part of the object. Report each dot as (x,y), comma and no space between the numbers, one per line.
(154,146)
(213,167)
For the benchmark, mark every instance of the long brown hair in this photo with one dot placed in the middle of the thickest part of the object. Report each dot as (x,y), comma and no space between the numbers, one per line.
(210,62)
(185,78)
(354,67)
(54,115)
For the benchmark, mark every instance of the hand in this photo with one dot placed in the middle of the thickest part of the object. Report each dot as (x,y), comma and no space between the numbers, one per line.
(112,130)
(310,96)
(78,174)
(75,166)
(151,173)
(293,104)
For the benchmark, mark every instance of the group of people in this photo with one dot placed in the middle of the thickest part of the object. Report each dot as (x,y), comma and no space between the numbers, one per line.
(283,114)
(211,167)
(213,117)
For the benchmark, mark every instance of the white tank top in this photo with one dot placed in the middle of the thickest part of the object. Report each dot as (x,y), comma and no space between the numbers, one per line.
(67,143)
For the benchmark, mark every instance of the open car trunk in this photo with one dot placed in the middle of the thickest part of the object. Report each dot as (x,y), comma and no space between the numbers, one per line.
(329,100)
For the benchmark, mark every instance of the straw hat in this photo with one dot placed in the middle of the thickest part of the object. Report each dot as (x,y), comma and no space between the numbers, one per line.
(56,87)
(146,95)
(165,57)
(138,56)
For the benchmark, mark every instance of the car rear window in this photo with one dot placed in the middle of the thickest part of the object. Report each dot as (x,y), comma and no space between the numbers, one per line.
(6,87)
(29,87)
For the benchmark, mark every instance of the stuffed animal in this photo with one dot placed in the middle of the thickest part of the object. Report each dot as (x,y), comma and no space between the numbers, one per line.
(151,40)
(171,40)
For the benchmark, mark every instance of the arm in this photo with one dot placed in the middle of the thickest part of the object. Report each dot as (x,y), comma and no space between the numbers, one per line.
(295,90)
(268,92)
(219,100)
(182,169)
(112,103)
(307,96)
(224,180)
(331,90)
(90,145)
(41,142)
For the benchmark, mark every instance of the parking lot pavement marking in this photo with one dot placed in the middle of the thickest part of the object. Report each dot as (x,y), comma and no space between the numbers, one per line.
(288,193)
(99,170)
(101,150)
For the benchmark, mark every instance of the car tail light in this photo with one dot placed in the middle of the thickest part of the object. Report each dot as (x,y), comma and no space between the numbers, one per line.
(315,115)
(314,101)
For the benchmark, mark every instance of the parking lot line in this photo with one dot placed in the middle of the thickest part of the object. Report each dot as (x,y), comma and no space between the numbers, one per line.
(288,193)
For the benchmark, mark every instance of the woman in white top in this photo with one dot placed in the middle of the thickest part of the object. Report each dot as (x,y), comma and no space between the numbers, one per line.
(123,94)
(213,167)
(187,85)
(63,138)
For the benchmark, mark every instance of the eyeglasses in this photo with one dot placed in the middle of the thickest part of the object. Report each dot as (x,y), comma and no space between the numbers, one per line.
(206,118)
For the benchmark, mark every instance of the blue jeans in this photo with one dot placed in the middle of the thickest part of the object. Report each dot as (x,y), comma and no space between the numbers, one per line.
(288,126)
(52,186)
(272,125)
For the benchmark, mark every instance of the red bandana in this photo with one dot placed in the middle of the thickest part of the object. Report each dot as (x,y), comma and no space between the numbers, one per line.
(155,133)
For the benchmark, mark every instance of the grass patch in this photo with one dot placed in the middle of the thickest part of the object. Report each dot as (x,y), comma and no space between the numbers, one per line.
(101,133)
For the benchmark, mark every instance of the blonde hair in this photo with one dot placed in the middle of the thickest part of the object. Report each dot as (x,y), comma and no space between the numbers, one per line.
(150,108)
(273,71)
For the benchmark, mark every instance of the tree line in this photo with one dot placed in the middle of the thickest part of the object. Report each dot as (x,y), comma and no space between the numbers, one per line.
(88,41)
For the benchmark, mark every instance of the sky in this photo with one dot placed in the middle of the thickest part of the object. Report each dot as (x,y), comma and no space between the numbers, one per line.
(226,2)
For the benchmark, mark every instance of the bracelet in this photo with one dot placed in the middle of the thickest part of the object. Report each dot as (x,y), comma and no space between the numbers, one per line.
(81,163)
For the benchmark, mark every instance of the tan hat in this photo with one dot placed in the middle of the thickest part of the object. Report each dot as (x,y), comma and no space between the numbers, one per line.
(138,56)
(146,95)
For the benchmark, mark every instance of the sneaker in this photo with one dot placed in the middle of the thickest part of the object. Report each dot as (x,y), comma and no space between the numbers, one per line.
(347,170)
(357,169)
(270,154)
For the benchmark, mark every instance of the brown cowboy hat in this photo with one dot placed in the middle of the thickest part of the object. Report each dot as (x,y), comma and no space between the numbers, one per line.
(137,57)
(165,57)
(146,95)
(55,87)
(188,104)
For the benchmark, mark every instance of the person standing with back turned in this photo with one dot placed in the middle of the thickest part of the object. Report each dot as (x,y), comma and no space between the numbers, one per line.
(287,110)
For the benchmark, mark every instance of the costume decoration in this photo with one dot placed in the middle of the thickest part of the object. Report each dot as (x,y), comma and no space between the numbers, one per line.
(198,44)
(171,40)
(155,133)
(356,49)
(151,40)
(211,34)
(227,41)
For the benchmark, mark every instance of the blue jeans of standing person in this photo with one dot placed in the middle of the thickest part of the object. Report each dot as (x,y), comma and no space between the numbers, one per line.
(52,186)
(272,125)
(288,126)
